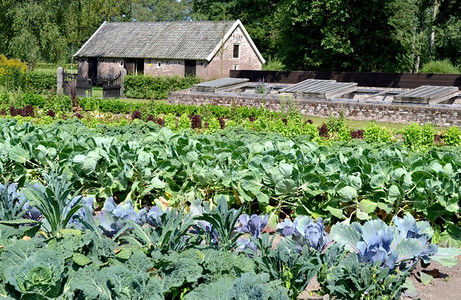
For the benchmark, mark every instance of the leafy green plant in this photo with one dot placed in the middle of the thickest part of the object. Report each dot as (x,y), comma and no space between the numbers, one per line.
(452,137)
(374,133)
(11,202)
(416,136)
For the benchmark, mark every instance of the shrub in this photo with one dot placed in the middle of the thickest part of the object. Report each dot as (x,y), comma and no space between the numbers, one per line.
(156,87)
(440,66)
(12,72)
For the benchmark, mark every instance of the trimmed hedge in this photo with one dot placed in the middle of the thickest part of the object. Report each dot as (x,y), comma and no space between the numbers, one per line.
(156,87)
(37,82)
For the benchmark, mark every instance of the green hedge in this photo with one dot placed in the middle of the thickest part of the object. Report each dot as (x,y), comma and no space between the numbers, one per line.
(152,87)
(38,82)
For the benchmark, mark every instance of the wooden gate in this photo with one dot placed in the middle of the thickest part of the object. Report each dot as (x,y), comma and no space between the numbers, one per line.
(111,87)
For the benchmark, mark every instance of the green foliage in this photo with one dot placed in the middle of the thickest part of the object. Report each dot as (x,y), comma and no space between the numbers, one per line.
(452,136)
(376,134)
(156,87)
(273,65)
(440,67)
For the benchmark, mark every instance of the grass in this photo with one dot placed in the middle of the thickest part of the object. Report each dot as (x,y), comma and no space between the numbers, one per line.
(361,124)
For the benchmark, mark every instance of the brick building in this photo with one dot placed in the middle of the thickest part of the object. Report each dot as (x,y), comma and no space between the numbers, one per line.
(205,49)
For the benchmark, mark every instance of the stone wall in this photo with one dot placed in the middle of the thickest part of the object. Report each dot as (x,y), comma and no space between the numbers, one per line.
(353,109)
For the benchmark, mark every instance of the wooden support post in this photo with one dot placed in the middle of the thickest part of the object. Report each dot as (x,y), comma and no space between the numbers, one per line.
(122,83)
(60,76)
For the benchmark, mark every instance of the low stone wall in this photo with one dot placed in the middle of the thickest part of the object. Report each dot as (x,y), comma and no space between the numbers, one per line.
(440,115)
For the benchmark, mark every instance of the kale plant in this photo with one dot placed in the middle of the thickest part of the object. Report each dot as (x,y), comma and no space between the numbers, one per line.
(224,220)
(54,202)
(169,233)
(11,202)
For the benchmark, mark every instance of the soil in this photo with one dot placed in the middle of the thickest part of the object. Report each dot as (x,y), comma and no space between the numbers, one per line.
(446,284)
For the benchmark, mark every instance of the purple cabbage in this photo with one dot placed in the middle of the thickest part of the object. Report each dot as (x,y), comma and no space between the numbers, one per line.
(379,248)
(112,217)
(253,224)
(304,231)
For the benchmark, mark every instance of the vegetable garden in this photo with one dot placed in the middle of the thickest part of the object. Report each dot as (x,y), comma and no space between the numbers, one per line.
(140,211)
(107,199)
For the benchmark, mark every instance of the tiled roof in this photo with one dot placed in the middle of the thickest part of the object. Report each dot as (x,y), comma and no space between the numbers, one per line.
(170,40)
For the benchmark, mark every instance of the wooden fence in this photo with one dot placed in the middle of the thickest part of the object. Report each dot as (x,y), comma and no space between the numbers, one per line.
(390,80)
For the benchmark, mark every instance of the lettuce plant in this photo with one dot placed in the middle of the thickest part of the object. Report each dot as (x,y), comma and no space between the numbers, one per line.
(304,231)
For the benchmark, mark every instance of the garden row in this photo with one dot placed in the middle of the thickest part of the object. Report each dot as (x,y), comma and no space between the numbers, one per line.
(53,246)
(263,172)
(209,118)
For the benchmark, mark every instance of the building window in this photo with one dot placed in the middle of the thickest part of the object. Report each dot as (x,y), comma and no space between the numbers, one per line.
(236,67)
(159,65)
(236,51)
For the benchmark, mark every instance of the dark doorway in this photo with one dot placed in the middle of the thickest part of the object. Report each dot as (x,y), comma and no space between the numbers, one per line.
(140,66)
(93,69)
(190,68)
(130,66)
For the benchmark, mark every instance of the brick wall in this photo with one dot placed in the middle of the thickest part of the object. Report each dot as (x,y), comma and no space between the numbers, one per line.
(223,61)
(440,116)
(109,67)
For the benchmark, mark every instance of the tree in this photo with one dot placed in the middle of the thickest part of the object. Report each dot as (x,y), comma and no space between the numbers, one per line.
(349,35)
(162,10)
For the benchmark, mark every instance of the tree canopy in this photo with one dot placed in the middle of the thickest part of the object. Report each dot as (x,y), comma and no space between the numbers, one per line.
(341,35)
